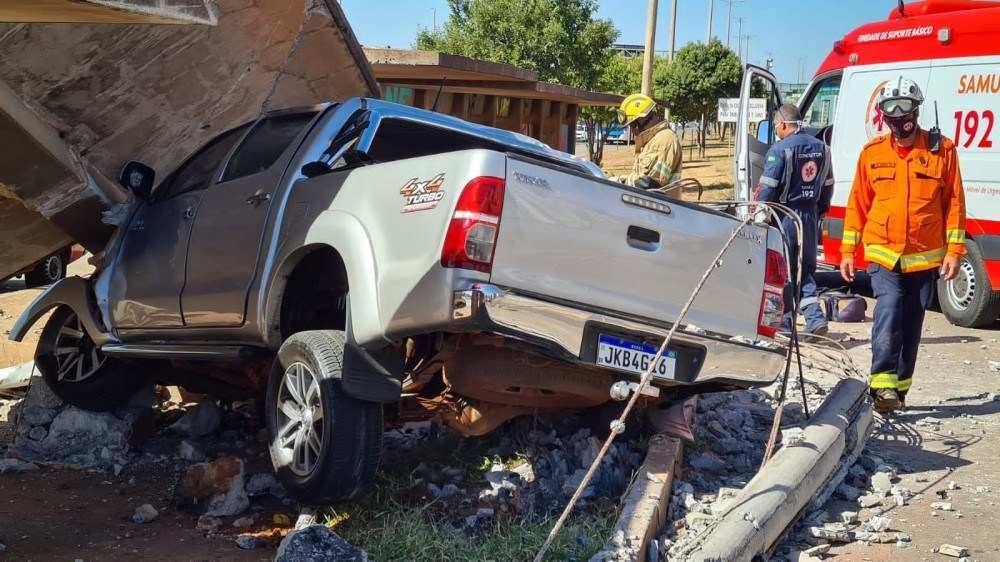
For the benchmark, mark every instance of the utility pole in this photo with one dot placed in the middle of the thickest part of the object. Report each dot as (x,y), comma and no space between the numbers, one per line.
(739,38)
(673,30)
(729,19)
(711,8)
(434,16)
(648,54)
(747,51)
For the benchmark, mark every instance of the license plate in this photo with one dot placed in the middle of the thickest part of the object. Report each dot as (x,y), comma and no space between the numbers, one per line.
(634,357)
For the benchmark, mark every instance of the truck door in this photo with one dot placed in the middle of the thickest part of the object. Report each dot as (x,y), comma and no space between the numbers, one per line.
(149,274)
(228,231)
(754,135)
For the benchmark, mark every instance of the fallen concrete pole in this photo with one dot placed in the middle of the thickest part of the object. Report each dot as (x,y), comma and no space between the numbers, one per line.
(789,481)
(645,510)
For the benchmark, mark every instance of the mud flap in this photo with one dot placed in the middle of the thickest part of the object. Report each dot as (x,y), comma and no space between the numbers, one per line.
(373,376)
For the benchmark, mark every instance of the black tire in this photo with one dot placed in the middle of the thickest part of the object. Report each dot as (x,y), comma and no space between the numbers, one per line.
(110,384)
(350,445)
(968,300)
(47,271)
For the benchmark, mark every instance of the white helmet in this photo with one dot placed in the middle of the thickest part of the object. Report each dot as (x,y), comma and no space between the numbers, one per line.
(899,97)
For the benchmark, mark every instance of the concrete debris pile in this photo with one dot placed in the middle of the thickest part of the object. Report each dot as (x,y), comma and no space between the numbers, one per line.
(537,465)
(859,511)
(52,432)
(552,459)
(730,430)
(317,542)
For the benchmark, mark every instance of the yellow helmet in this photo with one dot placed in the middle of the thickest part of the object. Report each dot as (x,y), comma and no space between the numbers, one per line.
(635,107)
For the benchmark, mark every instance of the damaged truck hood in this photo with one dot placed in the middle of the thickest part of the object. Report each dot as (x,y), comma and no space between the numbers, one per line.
(78,100)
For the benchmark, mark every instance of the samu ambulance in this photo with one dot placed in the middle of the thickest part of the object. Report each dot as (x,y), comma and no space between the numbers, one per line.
(951,48)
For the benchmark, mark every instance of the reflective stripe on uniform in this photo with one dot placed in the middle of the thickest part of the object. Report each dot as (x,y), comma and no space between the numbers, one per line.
(851,237)
(904,384)
(884,380)
(921,260)
(881,255)
(662,170)
(955,236)
(769,182)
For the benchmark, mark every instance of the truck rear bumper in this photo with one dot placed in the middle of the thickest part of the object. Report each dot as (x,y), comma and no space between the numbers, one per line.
(567,332)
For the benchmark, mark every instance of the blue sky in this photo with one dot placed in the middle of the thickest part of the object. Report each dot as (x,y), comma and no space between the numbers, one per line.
(793,32)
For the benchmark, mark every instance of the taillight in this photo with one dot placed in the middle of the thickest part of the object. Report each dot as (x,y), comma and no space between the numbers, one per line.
(472,234)
(772,301)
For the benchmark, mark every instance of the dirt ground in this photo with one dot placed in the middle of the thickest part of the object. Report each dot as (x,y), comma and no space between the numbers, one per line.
(954,385)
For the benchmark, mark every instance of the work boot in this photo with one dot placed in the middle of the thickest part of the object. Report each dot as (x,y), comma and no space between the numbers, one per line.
(817,330)
(886,400)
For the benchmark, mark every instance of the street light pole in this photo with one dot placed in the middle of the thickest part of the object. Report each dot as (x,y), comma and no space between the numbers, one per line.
(739,38)
(711,8)
(673,29)
(648,54)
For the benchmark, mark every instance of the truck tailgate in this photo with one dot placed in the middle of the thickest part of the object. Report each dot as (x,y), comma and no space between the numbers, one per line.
(576,239)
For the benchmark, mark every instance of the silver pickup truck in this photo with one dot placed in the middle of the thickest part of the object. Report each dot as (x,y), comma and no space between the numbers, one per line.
(344,257)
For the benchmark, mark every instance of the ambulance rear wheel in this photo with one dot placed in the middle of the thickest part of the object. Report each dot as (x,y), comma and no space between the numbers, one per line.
(969,300)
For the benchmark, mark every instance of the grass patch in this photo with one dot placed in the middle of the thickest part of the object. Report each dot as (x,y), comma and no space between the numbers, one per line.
(397,520)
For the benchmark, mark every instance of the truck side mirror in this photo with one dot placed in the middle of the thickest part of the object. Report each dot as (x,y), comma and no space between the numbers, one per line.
(137,178)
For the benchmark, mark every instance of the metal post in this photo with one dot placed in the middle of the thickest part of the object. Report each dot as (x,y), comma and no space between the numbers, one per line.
(673,29)
(739,38)
(711,8)
(648,54)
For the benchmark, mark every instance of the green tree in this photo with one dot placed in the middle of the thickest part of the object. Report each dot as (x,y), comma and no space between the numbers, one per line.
(620,76)
(560,40)
(691,85)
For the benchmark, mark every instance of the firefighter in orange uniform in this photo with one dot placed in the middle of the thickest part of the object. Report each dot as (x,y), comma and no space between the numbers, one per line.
(908,209)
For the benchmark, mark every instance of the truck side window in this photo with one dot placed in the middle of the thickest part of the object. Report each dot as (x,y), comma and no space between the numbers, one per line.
(821,107)
(265,144)
(196,172)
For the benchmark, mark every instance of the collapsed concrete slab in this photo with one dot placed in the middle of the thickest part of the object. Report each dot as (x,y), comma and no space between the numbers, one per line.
(77,101)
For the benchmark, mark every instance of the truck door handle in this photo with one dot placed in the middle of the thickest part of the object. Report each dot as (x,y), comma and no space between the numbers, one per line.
(259,197)
(643,238)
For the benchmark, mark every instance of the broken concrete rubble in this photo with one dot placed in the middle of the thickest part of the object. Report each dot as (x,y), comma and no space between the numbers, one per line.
(52,432)
(215,488)
(317,542)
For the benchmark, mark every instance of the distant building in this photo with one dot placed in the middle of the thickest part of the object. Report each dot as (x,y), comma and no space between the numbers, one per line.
(629,51)
(498,95)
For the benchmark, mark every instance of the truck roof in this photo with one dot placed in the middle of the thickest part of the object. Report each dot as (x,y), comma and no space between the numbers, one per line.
(931,29)
(515,142)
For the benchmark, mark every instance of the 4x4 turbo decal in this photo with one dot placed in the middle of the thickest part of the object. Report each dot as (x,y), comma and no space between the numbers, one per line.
(422,195)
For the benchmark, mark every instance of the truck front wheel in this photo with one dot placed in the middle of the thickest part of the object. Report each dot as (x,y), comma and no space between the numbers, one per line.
(78,372)
(968,300)
(325,445)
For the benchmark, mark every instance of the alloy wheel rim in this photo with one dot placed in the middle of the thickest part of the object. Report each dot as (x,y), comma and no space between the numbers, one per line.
(77,357)
(300,419)
(962,289)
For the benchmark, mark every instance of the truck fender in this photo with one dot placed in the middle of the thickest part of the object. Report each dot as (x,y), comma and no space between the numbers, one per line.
(344,234)
(73,292)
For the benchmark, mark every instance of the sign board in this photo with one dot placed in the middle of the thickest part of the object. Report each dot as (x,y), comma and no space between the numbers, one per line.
(729,109)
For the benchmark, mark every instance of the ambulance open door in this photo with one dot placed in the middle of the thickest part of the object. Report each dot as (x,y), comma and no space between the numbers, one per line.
(759,98)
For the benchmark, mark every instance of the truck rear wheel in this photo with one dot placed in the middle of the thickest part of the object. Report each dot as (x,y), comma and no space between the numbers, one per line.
(76,370)
(968,300)
(325,445)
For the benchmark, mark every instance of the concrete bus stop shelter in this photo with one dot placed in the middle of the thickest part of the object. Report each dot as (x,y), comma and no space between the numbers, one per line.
(498,95)
(87,85)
